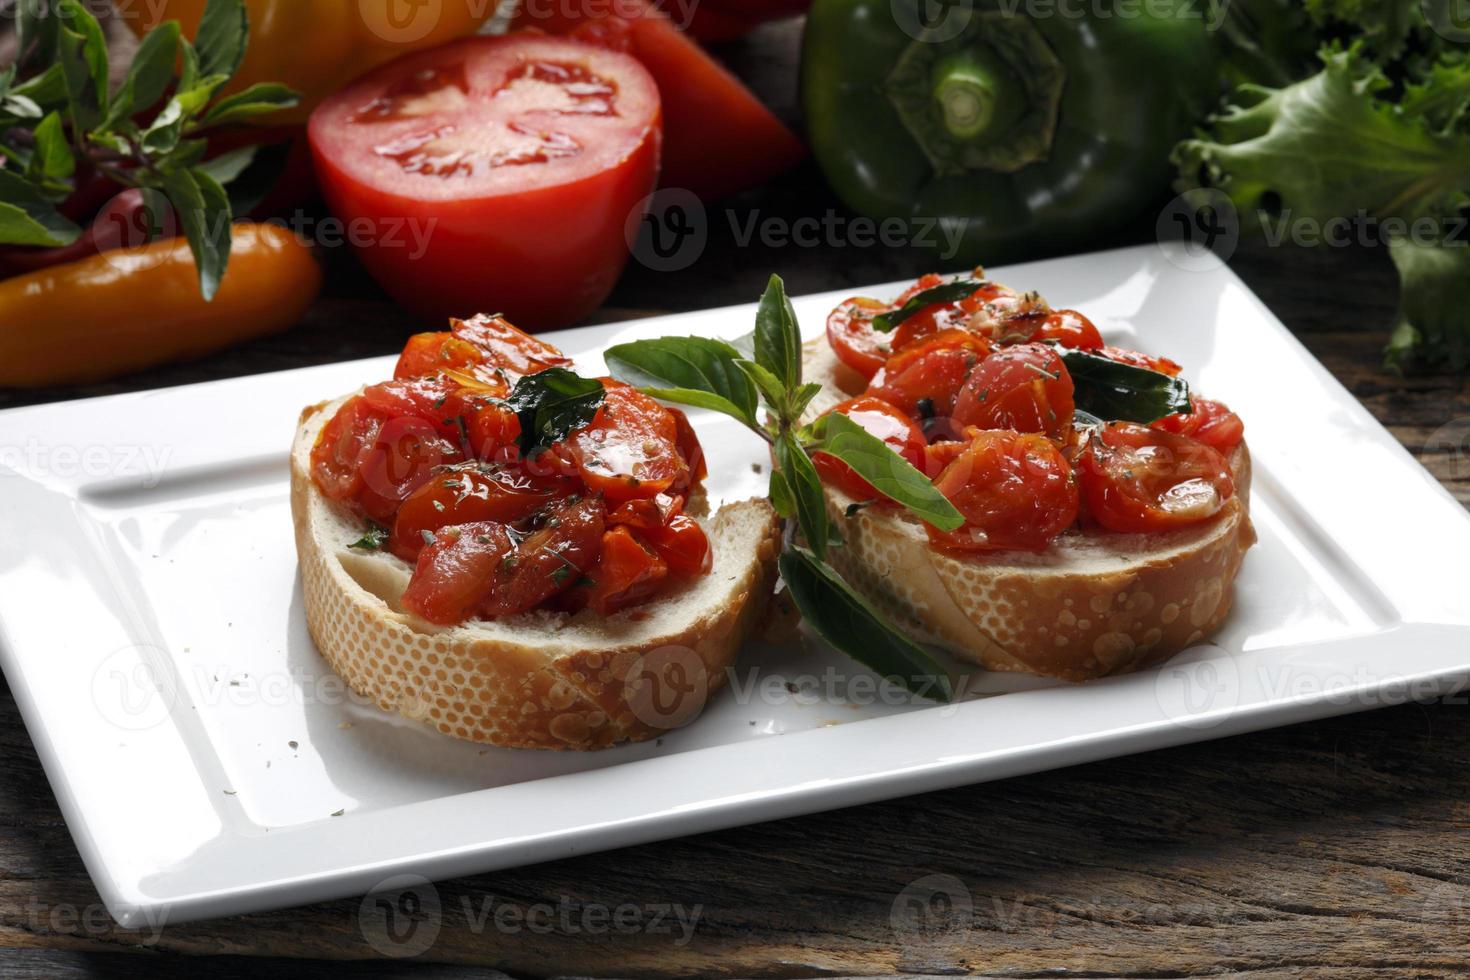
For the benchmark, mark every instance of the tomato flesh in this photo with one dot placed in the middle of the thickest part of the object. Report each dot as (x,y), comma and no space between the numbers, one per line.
(345,441)
(1160,364)
(923,380)
(493,173)
(507,347)
(880,419)
(454,575)
(628,573)
(1137,479)
(465,494)
(853,339)
(631,448)
(1210,422)
(551,560)
(1067,327)
(1015,490)
(407,452)
(1025,387)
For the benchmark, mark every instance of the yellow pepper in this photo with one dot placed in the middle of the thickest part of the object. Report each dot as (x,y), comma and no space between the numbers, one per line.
(132,308)
(317,46)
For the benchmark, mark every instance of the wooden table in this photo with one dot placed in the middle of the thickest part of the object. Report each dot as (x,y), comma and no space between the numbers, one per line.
(1336,848)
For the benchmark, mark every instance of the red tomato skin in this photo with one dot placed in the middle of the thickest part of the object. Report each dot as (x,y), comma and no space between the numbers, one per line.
(407,451)
(630,449)
(629,572)
(506,346)
(1024,387)
(853,339)
(344,443)
(550,561)
(1016,490)
(1146,361)
(932,371)
(465,495)
(1067,327)
(455,574)
(426,355)
(1130,473)
(1211,422)
(544,256)
(879,419)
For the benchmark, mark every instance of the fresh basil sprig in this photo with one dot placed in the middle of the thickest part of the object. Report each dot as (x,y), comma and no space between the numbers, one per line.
(61,119)
(718,376)
(1122,392)
(551,404)
(947,292)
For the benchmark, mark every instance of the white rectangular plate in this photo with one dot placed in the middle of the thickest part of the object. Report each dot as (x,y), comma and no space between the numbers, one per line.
(209,763)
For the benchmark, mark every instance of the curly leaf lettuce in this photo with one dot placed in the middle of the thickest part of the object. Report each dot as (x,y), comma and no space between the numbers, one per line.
(1331,148)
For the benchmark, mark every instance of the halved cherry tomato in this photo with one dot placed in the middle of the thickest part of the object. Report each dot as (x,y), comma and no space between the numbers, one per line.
(1014,489)
(1160,364)
(1067,327)
(345,441)
(464,494)
(720,138)
(879,419)
(1211,423)
(1025,387)
(419,397)
(938,455)
(455,574)
(628,573)
(689,447)
(853,339)
(550,561)
(493,173)
(923,380)
(404,458)
(1136,479)
(631,448)
(677,537)
(426,355)
(940,316)
(505,346)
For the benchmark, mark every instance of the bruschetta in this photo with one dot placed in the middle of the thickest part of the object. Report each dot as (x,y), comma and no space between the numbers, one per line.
(1106,507)
(517,555)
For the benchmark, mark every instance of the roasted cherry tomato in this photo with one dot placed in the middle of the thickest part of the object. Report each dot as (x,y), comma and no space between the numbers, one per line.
(1067,327)
(941,316)
(631,448)
(454,575)
(493,173)
(464,494)
(689,447)
(938,455)
(344,443)
(505,346)
(1015,490)
(1139,479)
(1160,364)
(853,339)
(404,458)
(677,537)
(1025,388)
(629,572)
(923,380)
(551,560)
(426,355)
(1211,423)
(879,419)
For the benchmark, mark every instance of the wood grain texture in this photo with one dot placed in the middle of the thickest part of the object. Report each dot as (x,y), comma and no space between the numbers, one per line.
(1339,848)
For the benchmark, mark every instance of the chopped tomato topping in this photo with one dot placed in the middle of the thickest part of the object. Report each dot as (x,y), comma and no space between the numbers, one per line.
(879,419)
(1161,364)
(506,347)
(406,453)
(1067,327)
(631,449)
(345,441)
(1015,490)
(1025,387)
(551,560)
(629,572)
(923,380)
(454,575)
(1138,479)
(1211,423)
(464,494)
(855,342)
(941,317)
(428,354)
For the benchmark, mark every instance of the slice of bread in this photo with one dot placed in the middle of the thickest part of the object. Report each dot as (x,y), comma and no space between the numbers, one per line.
(1095,603)
(541,679)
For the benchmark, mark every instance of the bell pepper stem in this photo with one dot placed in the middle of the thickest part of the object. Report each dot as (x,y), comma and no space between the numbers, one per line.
(978,97)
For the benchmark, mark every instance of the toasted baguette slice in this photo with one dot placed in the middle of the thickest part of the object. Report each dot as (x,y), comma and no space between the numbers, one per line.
(539,680)
(1095,603)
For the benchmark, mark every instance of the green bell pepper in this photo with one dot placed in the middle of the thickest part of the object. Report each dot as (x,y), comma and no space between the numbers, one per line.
(1026,134)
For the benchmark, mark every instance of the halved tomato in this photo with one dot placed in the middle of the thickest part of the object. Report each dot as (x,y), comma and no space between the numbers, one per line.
(923,380)
(550,561)
(1067,327)
(631,448)
(455,574)
(404,458)
(493,173)
(1136,479)
(345,441)
(1025,387)
(1211,423)
(853,339)
(1015,490)
(506,346)
(427,355)
(464,494)
(628,573)
(879,419)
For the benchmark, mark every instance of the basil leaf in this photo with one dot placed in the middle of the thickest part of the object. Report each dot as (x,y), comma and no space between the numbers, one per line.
(551,404)
(45,89)
(695,371)
(948,292)
(373,540)
(223,33)
(36,31)
(889,473)
(53,159)
(257,100)
(771,388)
(227,166)
(83,60)
(845,620)
(777,337)
(1121,392)
(809,503)
(203,209)
(149,77)
(783,500)
(27,217)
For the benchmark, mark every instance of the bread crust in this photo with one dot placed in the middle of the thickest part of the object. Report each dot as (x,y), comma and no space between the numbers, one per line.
(1096,603)
(540,680)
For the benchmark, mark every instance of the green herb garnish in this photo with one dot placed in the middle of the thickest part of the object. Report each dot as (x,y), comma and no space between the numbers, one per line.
(948,292)
(551,404)
(373,540)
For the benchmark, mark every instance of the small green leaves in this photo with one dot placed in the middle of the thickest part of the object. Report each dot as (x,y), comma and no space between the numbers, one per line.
(696,371)
(52,159)
(257,100)
(150,75)
(777,337)
(889,473)
(807,499)
(203,208)
(551,404)
(373,540)
(1121,392)
(27,217)
(948,292)
(223,34)
(844,619)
